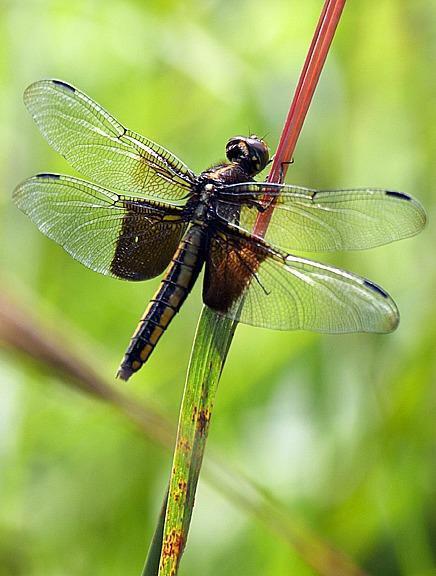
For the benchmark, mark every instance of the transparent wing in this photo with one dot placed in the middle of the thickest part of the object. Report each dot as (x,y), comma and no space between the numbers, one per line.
(326,220)
(98,146)
(248,281)
(125,237)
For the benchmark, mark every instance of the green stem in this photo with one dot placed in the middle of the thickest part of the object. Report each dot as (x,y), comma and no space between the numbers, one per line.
(212,341)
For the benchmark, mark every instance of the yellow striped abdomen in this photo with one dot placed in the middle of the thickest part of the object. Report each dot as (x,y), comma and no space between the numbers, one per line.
(173,290)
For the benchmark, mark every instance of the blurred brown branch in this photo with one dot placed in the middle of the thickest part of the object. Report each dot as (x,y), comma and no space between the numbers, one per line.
(22,333)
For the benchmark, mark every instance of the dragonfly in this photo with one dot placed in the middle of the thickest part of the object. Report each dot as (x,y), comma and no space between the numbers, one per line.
(145,213)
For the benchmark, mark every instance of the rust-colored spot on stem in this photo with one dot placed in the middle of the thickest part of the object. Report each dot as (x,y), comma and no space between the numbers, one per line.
(181,490)
(201,417)
(184,445)
(172,546)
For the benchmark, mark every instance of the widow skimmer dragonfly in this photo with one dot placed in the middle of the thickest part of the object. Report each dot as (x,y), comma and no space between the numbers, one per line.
(148,212)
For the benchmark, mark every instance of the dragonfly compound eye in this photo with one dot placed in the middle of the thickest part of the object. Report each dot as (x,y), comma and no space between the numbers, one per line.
(237,149)
(250,152)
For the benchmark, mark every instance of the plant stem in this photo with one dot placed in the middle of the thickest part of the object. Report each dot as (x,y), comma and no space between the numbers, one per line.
(303,95)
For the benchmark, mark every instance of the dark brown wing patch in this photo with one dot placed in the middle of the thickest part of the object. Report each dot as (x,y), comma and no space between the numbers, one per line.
(148,238)
(231,266)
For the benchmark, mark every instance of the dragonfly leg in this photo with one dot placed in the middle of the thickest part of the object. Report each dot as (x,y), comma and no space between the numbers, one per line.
(282,170)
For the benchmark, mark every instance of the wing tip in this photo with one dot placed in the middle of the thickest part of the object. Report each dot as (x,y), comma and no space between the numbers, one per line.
(392,317)
(53,82)
(394,325)
(16,193)
(418,207)
(19,188)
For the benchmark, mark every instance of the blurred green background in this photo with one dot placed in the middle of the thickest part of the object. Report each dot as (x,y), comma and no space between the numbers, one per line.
(341,429)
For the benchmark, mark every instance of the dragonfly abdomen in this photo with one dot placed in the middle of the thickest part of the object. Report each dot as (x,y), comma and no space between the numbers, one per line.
(173,290)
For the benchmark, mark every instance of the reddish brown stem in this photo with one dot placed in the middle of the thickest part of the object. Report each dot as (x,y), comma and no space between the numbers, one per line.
(306,86)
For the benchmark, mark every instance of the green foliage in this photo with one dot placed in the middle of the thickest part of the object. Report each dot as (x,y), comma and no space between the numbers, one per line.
(340,428)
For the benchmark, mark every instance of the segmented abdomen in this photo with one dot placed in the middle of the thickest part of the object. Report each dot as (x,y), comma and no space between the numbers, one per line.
(173,290)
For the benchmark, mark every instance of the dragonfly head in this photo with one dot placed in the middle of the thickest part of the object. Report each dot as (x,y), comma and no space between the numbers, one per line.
(251,152)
